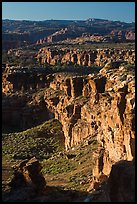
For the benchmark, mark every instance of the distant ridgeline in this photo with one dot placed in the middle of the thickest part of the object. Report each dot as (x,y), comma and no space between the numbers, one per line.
(16,33)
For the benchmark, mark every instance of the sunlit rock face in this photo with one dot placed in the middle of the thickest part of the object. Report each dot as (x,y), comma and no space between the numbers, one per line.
(101,106)
(98,57)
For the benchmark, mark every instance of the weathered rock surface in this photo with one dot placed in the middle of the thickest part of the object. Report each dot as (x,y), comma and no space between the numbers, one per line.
(118,187)
(27,182)
(100,106)
(28,173)
(121,182)
(98,57)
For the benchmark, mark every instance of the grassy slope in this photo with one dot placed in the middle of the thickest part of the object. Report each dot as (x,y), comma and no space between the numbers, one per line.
(40,141)
(46,142)
(71,173)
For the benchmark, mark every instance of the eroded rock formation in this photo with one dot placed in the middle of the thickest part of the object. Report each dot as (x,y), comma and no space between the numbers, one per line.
(121,182)
(28,173)
(98,57)
(27,182)
(96,105)
(118,187)
(101,106)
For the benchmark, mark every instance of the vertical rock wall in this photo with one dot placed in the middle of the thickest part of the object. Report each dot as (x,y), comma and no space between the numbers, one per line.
(101,106)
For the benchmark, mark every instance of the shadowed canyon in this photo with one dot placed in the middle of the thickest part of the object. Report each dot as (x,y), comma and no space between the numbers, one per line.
(68,123)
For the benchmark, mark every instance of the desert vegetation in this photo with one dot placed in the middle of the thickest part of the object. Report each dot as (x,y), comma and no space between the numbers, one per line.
(68,105)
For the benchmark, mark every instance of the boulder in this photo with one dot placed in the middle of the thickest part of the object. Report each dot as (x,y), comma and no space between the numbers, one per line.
(28,174)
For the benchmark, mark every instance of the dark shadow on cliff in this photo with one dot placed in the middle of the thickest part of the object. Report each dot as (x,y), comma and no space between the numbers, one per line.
(119,187)
(121,182)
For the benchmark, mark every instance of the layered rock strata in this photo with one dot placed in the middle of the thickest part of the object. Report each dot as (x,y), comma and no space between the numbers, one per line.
(98,57)
(100,106)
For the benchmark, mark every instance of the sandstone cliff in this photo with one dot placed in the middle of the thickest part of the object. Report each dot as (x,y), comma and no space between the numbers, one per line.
(98,57)
(100,106)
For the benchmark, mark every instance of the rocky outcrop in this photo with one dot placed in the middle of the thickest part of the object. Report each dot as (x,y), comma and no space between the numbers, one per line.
(130,35)
(28,173)
(27,182)
(98,57)
(121,182)
(101,106)
(59,35)
(118,187)
(21,107)
(24,79)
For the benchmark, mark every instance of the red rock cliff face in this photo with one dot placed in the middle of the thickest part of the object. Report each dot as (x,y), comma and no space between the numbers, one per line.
(98,57)
(100,106)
